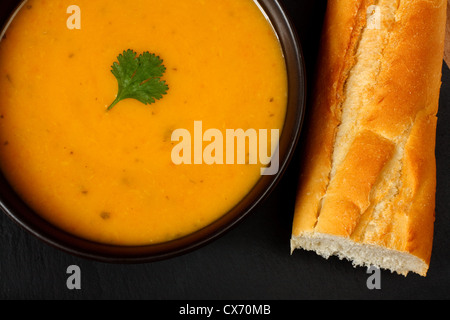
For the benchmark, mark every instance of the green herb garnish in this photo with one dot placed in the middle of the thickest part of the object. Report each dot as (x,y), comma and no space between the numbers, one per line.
(139,77)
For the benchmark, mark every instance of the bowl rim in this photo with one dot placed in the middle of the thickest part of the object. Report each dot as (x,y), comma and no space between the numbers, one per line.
(22,215)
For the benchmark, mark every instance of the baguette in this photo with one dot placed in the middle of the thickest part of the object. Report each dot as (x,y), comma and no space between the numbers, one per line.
(368,184)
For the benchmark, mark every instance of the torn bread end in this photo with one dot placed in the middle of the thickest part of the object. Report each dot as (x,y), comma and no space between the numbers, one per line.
(361,255)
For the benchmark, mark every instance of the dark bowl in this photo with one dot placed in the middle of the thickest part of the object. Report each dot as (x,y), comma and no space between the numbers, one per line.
(19,212)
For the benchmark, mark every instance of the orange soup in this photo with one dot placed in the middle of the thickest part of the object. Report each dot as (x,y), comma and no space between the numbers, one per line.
(108,176)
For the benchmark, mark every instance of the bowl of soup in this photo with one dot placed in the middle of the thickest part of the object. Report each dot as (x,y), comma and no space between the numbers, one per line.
(210,103)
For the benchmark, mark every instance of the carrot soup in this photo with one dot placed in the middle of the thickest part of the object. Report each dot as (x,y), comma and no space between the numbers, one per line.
(107,175)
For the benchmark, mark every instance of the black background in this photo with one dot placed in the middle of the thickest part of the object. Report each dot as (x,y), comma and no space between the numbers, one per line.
(252,261)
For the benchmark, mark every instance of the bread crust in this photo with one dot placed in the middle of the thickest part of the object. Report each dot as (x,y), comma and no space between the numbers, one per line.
(370,171)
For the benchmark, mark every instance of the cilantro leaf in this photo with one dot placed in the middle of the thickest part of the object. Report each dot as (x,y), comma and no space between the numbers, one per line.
(139,77)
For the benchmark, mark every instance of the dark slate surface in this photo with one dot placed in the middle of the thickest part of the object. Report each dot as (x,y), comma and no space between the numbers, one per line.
(253,260)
